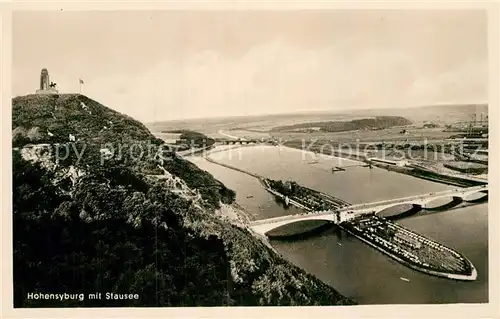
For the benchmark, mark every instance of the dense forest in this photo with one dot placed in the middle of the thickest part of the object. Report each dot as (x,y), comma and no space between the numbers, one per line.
(377,123)
(84,223)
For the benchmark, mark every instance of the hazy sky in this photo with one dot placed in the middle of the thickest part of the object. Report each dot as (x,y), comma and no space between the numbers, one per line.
(171,65)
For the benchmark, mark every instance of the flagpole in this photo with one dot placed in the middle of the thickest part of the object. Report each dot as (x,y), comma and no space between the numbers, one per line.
(80,81)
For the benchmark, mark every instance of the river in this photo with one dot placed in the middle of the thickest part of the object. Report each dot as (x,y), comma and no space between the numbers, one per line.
(352,267)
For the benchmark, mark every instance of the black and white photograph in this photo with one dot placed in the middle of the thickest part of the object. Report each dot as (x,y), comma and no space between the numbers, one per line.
(248,158)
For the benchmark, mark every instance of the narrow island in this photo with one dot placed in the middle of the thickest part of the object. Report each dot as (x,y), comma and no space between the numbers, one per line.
(411,249)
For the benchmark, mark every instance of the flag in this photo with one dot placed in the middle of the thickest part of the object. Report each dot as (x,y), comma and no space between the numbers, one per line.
(81,81)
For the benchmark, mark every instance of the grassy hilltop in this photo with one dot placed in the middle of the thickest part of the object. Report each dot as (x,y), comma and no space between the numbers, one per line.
(126,224)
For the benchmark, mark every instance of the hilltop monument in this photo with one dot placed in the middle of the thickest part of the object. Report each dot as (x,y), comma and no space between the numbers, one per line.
(46,87)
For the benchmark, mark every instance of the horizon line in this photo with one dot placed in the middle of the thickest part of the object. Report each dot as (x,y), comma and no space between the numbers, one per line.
(319,111)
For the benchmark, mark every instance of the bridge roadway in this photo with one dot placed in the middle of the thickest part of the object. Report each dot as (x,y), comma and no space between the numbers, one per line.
(263,226)
(418,199)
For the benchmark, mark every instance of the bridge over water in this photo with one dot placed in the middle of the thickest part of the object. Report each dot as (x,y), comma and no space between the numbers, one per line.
(458,195)
(242,141)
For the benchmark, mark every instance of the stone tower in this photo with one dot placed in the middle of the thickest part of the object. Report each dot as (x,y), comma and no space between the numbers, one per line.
(45,86)
(44,80)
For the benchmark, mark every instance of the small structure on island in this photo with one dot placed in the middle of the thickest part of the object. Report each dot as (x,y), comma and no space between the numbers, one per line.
(46,87)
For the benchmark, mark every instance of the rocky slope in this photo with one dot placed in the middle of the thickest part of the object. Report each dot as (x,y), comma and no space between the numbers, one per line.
(88,218)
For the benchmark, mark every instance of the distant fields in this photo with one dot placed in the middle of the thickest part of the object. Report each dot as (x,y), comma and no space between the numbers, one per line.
(260,126)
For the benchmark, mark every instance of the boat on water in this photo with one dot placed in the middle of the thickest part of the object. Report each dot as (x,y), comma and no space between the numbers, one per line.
(404,279)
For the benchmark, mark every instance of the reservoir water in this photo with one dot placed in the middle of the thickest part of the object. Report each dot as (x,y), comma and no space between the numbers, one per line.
(352,267)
